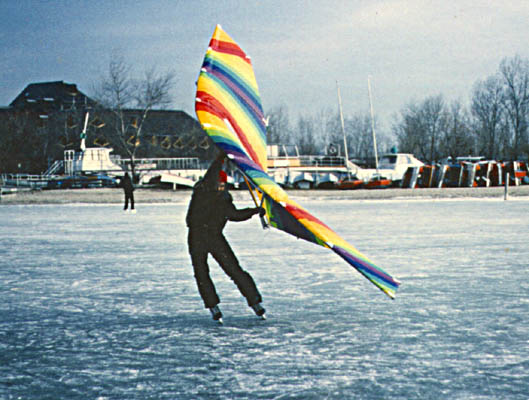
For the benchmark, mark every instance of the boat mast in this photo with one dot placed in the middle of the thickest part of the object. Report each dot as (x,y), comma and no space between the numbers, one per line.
(372,122)
(83,133)
(343,131)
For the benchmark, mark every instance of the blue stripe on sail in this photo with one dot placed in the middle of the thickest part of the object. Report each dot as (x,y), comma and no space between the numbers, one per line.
(257,120)
(242,97)
(218,68)
(374,274)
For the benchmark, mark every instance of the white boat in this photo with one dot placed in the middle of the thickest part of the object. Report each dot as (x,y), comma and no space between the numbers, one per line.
(304,180)
(91,159)
(287,169)
(396,164)
(391,166)
(176,180)
(328,181)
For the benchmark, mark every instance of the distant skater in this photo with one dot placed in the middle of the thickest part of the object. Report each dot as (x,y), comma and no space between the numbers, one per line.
(128,188)
(210,208)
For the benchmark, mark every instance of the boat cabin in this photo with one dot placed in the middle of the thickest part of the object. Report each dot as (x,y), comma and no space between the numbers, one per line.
(398,162)
(92,159)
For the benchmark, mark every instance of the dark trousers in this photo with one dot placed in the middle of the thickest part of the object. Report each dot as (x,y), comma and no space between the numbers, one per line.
(200,245)
(129,196)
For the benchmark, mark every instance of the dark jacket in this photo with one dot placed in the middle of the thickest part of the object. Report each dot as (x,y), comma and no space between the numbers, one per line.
(126,183)
(210,209)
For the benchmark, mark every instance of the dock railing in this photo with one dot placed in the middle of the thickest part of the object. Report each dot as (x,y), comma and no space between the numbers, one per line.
(180,163)
(25,180)
(306,161)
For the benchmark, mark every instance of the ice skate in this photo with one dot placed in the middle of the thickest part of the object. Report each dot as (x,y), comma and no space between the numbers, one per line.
(259,311)
(216,314)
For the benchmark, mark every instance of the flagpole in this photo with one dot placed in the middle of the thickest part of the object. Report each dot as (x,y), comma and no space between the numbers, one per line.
(372,122)
(343,131)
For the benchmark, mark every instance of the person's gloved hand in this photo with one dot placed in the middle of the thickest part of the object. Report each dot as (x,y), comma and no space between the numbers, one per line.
(259,210)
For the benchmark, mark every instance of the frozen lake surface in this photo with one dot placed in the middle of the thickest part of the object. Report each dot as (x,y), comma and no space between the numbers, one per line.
(98,304)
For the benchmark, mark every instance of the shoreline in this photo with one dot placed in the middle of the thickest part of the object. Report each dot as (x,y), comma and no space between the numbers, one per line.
(150,196)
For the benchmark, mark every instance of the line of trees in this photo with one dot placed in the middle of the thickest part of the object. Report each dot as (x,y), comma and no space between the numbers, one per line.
(321,134)
(494,124)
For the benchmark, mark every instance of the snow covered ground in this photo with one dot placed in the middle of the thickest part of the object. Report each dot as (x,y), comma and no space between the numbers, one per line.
(98,304)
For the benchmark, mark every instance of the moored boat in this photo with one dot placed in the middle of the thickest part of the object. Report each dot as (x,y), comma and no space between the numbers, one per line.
(378,182)
(350,184)
(328,181)
(303,181)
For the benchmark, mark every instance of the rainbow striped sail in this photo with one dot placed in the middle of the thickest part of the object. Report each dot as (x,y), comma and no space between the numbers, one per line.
(229,109)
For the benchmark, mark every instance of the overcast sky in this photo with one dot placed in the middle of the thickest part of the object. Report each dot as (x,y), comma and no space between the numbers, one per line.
(411,48)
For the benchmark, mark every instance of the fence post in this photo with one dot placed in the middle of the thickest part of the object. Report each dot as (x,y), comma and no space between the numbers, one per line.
(506,192)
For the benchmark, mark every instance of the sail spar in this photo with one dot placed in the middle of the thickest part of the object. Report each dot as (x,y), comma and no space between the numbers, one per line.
(228,106)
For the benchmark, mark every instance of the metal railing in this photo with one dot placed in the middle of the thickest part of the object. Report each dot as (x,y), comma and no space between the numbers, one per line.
(307,161)
(25,180)
(54,167)
(160,163)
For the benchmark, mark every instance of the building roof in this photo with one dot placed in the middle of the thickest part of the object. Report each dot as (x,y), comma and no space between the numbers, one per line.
(55,95)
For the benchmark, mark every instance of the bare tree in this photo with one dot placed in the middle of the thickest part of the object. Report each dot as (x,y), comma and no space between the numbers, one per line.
(305,136)
(278,130)
(420,128)
(408,128)
(333,133)
(130,100)
(432,114)
(488,114)
(456,138)
(320,123)
(515,74)
(360,137)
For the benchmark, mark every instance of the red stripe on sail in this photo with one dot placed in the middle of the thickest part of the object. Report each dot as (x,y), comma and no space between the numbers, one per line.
(210,104)
(299,213)
(228,48)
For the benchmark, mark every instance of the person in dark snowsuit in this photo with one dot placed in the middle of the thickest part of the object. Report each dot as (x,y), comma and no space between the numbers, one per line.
(128,188)
(210,208)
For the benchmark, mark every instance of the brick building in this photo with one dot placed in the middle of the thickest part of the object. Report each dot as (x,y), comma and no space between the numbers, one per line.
(47,118)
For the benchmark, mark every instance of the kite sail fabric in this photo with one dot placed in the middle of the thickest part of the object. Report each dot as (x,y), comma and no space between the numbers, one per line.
(229,109)
(228,104)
